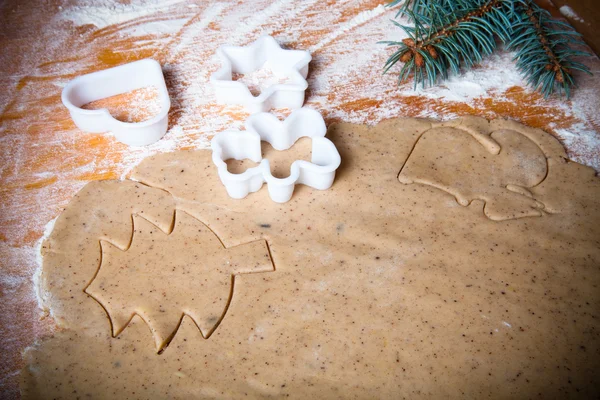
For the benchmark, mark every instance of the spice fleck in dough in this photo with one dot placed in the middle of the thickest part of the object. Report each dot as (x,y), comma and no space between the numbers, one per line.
(381,288)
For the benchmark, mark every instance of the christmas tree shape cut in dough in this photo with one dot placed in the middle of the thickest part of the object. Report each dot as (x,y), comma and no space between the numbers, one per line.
(162,277)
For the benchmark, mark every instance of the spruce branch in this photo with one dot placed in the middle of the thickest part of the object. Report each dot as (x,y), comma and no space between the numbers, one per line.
(420,7)
(544,49)
(450,34)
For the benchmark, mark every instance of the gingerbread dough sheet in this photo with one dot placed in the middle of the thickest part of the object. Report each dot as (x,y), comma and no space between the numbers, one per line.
(447,260)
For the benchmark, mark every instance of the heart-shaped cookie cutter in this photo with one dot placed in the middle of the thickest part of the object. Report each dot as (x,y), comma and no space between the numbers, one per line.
(319,173)
(290,64)
(111,82)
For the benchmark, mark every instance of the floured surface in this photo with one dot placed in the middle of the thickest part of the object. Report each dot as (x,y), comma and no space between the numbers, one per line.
(135,106)
(259,80)
(45,159)
(381,288)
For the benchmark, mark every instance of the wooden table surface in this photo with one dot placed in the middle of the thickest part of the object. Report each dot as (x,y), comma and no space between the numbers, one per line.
(45,159)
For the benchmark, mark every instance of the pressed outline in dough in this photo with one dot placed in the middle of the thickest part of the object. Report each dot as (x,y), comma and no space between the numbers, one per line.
(492,147)
(160,348)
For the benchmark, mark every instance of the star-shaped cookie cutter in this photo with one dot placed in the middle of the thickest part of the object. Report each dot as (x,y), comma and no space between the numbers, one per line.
(111,82)
(319,173)
(290,64)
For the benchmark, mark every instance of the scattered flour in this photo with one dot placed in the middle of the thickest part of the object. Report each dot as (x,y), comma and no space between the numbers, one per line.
(569,13)
(259,80)
(105,13)
(360,19)
(345,84)
(478,82)
(39,260)
(165,27)
(579,136)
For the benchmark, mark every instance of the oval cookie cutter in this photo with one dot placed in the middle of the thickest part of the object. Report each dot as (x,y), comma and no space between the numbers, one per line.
(290,64)
(111,82)
(319,173)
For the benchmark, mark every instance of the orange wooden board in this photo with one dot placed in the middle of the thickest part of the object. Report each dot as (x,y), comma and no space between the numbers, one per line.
(45,159)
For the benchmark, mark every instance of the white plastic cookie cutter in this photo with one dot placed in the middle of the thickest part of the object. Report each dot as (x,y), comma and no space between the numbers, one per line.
(111,82)
(290,64)
(319,173)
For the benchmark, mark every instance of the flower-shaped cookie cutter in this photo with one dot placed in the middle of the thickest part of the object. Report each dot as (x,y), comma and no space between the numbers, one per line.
(111,82)
(319,173)
(290,64)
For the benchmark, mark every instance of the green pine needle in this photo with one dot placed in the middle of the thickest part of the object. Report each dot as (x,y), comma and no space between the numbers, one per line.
(450,34)
(543,49)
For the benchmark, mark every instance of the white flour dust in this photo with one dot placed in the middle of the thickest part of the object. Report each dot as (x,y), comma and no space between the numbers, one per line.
(345,84)
(187,36)
(569,13)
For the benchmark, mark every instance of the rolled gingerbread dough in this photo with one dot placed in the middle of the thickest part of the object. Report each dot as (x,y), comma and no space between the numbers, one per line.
(448,260)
